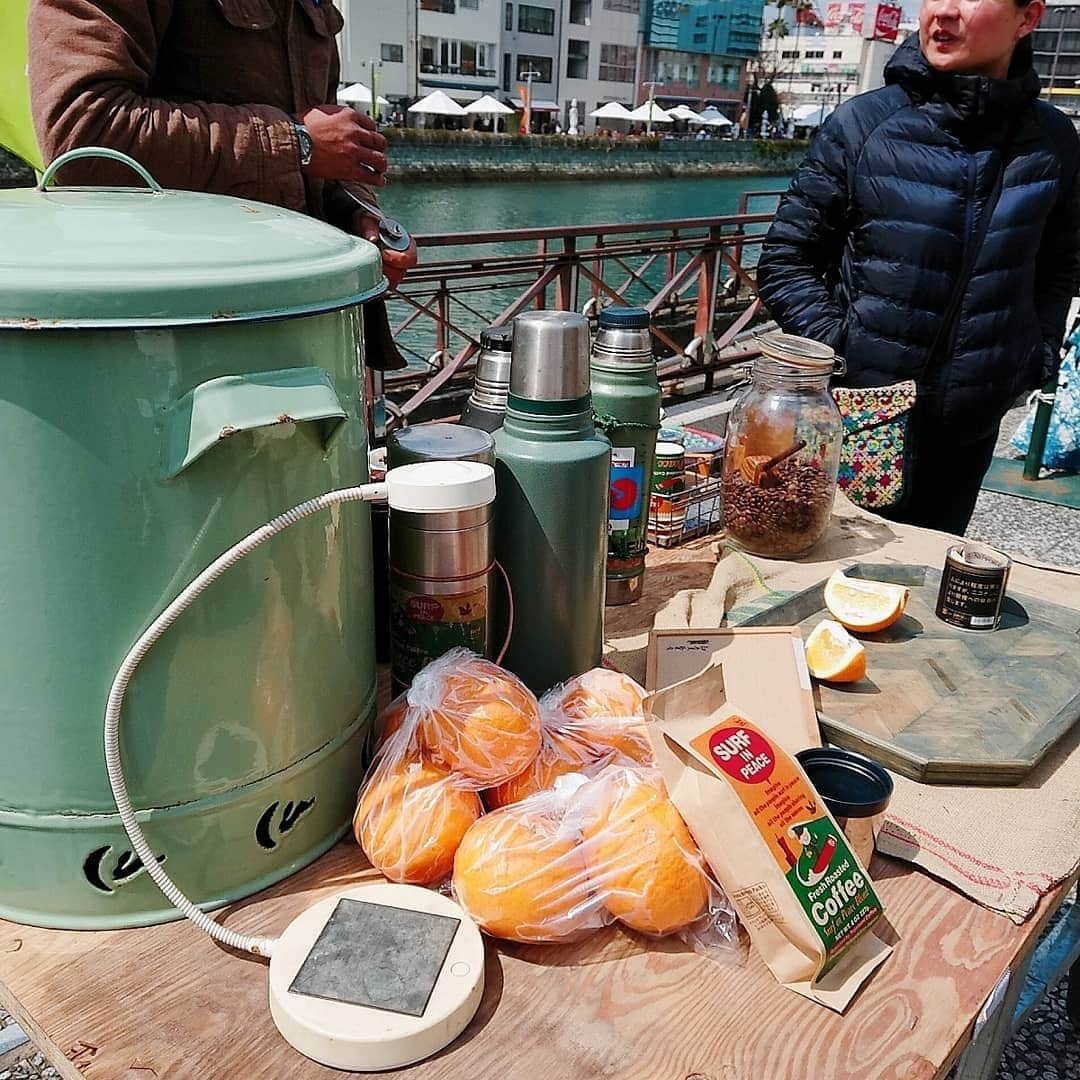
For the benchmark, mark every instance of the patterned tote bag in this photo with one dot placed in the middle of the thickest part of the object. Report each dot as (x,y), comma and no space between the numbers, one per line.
(877,442)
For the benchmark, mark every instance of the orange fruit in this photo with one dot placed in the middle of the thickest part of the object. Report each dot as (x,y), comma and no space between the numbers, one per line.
(600,693)
(392,717)
(522,878)
(410,820)
(833,655)
(559,754)
(476,720)
(603,710)
(640,854)
(864,606)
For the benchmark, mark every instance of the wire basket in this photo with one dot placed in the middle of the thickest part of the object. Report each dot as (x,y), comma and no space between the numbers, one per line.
(684,515)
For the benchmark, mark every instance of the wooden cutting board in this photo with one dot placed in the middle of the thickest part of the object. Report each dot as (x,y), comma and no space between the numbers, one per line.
(943,705)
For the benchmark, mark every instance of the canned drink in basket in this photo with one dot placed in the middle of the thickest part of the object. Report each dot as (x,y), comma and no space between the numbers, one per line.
(973,586)
(667,511)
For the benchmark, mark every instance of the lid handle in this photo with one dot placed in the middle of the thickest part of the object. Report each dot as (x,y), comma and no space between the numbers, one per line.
(97,152)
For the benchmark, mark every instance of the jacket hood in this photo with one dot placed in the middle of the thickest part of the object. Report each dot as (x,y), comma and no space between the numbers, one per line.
(971,97)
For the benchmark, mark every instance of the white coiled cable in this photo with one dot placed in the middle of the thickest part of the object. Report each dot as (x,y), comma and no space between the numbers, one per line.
(188,596)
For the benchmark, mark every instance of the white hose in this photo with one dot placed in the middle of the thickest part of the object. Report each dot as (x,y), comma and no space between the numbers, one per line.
(187,597)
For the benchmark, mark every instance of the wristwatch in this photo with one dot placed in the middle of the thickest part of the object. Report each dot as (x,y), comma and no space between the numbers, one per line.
(307,147)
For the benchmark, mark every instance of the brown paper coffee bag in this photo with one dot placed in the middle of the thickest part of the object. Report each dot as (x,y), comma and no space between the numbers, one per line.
(784,862)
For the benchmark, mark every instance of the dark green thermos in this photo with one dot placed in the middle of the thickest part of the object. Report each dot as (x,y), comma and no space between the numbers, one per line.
(551,472)
(626,401)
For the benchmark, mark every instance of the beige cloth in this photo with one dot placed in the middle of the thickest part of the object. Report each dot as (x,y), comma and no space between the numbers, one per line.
(1003,847)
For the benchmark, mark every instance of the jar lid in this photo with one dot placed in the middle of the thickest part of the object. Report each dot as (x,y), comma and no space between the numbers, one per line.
(624,318)
(439,442)
(440,486)
(799,352)
(851,784)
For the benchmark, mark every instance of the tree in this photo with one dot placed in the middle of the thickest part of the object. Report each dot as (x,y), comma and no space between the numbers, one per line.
(765,101)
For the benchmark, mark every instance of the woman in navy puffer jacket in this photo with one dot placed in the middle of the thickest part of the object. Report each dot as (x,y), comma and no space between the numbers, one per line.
(870,239)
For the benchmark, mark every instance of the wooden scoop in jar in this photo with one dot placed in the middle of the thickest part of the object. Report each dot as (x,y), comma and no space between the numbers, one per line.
(757,467)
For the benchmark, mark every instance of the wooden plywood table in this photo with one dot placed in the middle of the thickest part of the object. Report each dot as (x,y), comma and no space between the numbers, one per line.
(169,1002)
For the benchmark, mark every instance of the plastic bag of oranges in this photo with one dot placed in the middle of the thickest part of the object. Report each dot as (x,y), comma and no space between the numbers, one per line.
(589,852)
(463,725)
(591,721)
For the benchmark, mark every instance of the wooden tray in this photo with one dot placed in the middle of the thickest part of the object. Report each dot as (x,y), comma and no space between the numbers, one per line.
(948,706)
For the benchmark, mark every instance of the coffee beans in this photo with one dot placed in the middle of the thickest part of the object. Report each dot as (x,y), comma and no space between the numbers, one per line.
(785,514)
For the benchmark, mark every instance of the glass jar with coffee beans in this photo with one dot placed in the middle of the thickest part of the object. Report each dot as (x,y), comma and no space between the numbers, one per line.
(783,450)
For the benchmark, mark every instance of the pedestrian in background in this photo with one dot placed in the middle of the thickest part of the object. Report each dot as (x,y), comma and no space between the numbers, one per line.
(933,233)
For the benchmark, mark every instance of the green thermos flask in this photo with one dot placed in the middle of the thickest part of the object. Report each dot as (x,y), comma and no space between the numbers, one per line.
(551,477)
(626,403)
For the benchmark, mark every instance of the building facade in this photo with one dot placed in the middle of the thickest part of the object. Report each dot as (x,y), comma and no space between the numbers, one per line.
(696,51)
(599,56)
(1056,44)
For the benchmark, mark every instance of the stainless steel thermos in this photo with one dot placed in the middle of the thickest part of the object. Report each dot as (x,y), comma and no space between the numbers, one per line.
(491,383)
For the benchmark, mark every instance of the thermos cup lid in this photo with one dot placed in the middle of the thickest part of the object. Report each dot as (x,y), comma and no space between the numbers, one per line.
(498,338)
(550,356)
(438,486)
(624,318)
(438,442)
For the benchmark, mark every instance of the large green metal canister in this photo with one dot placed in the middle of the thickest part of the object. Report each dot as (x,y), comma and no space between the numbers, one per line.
(175,370)
(626,404)
(551,474)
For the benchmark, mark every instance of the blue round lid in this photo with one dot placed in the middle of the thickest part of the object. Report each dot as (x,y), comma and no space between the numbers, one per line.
(624,318)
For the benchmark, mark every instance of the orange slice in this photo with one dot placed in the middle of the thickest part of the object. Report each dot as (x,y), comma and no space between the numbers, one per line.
(833,655)
(864,606)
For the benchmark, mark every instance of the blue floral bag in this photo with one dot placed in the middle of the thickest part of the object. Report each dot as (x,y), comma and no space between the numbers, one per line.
(1063,437)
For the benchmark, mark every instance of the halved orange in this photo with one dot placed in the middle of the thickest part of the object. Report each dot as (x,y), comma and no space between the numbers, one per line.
(864,606)
(833,655)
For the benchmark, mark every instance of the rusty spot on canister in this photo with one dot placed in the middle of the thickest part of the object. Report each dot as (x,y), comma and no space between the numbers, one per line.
(285,418)
(228,432)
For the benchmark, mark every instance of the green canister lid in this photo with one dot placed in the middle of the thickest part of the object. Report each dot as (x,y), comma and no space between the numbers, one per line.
(146,256)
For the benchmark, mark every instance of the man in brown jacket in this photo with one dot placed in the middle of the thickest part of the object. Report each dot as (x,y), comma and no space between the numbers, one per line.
(228,96)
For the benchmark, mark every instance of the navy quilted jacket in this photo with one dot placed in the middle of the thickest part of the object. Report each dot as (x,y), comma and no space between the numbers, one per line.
(869,240)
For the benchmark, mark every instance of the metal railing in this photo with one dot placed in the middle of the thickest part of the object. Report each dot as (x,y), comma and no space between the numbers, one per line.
(692,274)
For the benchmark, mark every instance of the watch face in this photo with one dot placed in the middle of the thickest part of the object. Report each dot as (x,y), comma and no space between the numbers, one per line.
(303,137)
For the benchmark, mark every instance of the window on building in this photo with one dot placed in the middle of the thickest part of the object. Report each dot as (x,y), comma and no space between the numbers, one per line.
(631,6)
(539,64)
(535,20)
(581,12)
(446,7)
(469,5)
(392,54)
(1070,41)
(509,23)
(790,54)
(618,63)
(443,56)
(692,73)
(507,69)
(838,54)
(577,59)
(814,54)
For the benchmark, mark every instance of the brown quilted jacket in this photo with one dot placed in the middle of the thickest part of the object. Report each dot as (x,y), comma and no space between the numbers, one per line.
(202,92)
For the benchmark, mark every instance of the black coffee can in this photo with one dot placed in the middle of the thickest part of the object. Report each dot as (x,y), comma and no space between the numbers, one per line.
(973,586)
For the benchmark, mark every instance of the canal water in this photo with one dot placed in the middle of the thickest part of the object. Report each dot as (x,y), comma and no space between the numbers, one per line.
(477,206)
(489,207)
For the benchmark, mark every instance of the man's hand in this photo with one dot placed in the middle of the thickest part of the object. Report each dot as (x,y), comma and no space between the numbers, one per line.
(346,145)
(396,264)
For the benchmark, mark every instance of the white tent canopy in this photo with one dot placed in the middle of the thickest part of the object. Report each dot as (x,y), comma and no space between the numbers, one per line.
(358,94)
(714,117)
(488,106)
(438,103)
(810,115)
(684,112)
(611,110)
(641,114)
